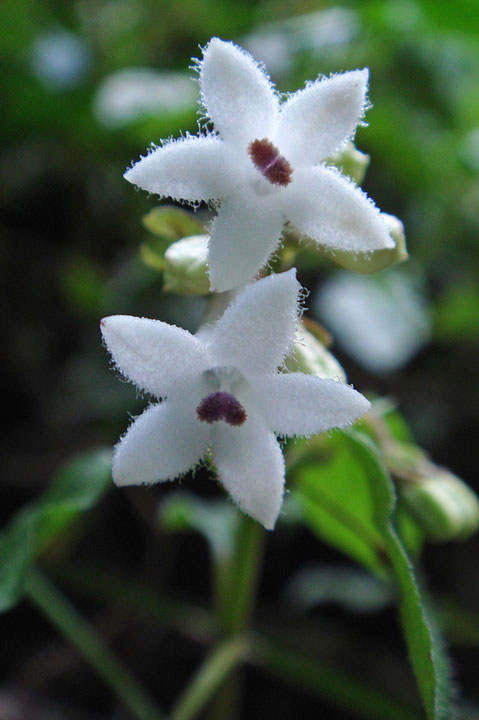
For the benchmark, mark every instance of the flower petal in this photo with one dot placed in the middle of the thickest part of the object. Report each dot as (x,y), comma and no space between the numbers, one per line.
(299,404)
(191,168)
(237,93)
(256,331)
(330,209)
(243,236)
(156,356)
(166,441)
(315,121)
(250,465)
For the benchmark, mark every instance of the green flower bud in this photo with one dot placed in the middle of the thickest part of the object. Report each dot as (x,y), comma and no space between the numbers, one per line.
(444,505)
(351,162)
(369,263)
(310,356)
(186,270)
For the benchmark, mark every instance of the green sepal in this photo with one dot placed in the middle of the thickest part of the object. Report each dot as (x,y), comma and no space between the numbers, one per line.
(310,356)
(171,223)
(373,262)
(351,162)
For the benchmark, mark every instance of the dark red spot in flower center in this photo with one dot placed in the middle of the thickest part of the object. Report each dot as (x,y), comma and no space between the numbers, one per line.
(221,406)
(269,162)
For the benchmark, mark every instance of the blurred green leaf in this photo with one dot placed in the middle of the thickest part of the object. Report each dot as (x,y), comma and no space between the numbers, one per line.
(172,223)
(351,587)
(76,487)
(456,316)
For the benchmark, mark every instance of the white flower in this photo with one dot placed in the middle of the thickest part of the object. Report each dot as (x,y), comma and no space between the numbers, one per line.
(221,390)
(263,165)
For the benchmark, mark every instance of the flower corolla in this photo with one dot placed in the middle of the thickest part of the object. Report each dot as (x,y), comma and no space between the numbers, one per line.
(223,390)
(265,165)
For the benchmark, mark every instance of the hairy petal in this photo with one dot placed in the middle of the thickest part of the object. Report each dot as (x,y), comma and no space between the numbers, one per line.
(299,404)
(237,93)
(243,236)
(329,208)
(157,357)
(315,121)
(164,442)
(257,329)
(250,465)
(191,168)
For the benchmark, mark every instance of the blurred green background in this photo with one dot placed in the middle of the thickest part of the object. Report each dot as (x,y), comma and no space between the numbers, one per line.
(85,88)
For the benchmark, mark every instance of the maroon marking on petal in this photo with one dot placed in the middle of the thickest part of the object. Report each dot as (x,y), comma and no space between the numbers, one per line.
(273,166)
(221,406)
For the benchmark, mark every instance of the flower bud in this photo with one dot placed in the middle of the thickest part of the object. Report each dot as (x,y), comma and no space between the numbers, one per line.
(186,270)
(351,162)
(370,263)
(444,505)
(310,356)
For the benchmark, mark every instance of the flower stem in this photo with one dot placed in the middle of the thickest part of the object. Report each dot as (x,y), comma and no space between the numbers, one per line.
(69,622)
(235,590)
(209,677)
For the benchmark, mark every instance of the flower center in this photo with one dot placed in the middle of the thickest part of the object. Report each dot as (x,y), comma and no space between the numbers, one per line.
(221,406)
(273,166)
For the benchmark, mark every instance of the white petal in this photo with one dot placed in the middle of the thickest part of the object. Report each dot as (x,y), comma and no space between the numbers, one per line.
(330,209)
(191,168)
(315,121)
(250,465)
(237,93)
(299,404)
(156,356)
(243,236)
(166,441)
(257,329)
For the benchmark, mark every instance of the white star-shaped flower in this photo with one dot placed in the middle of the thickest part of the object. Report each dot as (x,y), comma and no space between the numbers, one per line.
(222,390)
(265,165)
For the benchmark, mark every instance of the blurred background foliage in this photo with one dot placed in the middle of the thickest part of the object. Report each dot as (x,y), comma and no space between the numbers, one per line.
(86,87)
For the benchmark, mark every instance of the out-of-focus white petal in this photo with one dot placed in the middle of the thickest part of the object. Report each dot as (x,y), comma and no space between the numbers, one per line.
(299,404)
(237,93)
(250,465)
(330,209)
(156,356)
(243,236)
(190,168)
(257,329)
(166,441)
(315,121)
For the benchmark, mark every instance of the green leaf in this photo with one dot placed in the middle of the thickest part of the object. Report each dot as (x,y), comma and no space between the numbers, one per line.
(337,504)
(426,652)
(15,558)
(76,487)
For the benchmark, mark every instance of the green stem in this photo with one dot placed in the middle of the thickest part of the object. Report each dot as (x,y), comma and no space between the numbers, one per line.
(235,587)
(239,580)
(69,622)
(209,677)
